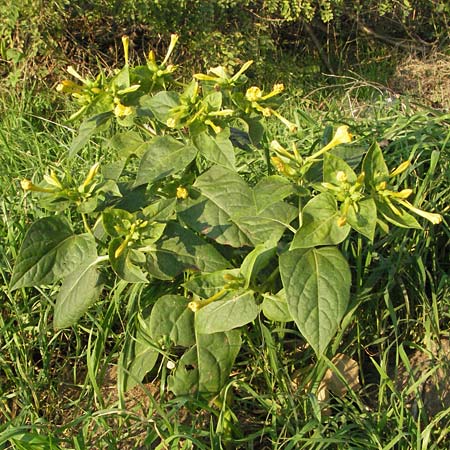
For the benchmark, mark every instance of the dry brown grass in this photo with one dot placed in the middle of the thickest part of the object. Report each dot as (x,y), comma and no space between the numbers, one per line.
(426,79)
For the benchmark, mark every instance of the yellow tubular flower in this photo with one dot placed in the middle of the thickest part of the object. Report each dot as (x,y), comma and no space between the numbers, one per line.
(173,42)
(28,185)
(216,128)
(432,217)
(342,136)
(69,87)
(90,176)
(342,221)
(126,44)
(401,168)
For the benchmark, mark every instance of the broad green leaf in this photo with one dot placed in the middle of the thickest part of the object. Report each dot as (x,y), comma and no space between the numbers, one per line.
(270,190)
(143,361)
(87,129)
(162,210)
(317,283)
(137,358)
(126,265)
(225,197)
(158,105)
(269,224)
(224,315)
(185,379)
(206,285)
(403,220)
(275,307)
(374,167)
(164,156)
(78,292)
(205,367)
(226,211)
(320,223)
(332,165)
(170,317)
(363,219)
(180,249)
(219,149)
(256,260)
(117,222)
(49,252)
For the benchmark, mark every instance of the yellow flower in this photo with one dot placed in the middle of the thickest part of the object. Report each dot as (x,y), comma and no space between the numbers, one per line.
(341,176)
(432,217)
(69,87)
(401,168)
(253,94)
(182,192)
(342,221)
(28,185)
(121,110)
(90,176)
(342,136)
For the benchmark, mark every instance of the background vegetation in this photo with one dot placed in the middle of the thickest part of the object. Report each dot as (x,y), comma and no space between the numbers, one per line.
(381,67)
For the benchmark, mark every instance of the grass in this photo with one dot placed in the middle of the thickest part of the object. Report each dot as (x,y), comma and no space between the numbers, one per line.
(59,389)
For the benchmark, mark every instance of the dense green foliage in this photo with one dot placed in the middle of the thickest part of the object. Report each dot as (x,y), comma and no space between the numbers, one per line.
(64,385)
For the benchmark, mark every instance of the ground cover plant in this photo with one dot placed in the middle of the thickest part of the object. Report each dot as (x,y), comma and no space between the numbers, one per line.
(208,231)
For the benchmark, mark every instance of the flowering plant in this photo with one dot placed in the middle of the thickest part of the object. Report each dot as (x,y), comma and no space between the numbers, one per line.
(214,250)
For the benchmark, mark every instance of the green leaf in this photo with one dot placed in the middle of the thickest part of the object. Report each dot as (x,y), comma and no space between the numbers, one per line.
(269,224)
(206,285)
(320,223)
(224,315)
(49,252)
(332,165)
(78,292)
(317,284)
(271,190)
(374,167)
(164,156)
(275,307)
(117,222)
(226,210)
(180,249)
(256,260)
(225,197)
(364,218)
(170,317)
(161,210)
(126,265)
(87,129)
(137,358)
(158,105)
(403,220)
(143,360)
(205,367)
(219,149)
